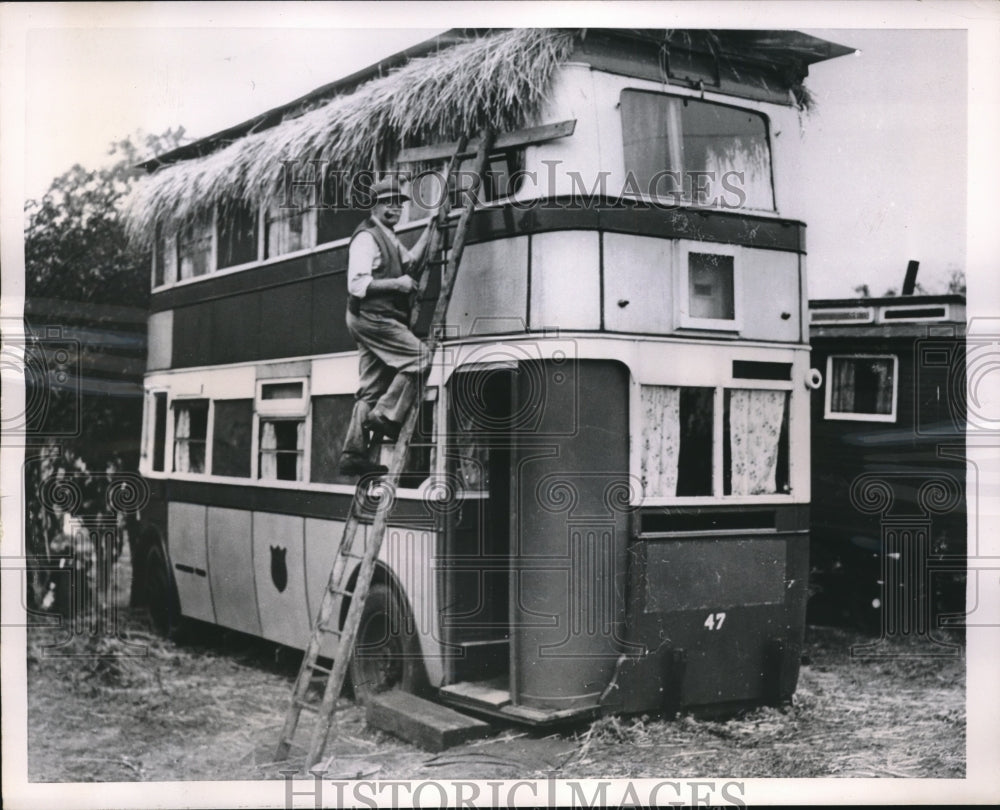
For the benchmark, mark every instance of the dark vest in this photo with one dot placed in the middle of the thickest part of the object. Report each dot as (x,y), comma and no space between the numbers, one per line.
(390,304)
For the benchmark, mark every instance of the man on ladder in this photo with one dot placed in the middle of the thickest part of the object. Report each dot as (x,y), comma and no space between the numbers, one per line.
(391,358)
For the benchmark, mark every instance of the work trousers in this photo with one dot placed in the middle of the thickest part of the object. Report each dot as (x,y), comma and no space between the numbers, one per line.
(391,364)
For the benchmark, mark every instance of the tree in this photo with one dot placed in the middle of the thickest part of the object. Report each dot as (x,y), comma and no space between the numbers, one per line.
(86,288)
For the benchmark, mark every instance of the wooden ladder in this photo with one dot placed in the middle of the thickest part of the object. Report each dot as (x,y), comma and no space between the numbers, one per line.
(326,623)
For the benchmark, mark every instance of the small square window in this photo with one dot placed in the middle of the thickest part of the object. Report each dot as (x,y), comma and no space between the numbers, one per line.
(287,397)
(861,387)
(709,288)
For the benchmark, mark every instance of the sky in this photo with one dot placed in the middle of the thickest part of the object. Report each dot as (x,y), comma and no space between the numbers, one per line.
(885,159)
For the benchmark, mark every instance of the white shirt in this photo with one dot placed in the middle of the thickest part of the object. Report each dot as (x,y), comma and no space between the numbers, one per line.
(364,257)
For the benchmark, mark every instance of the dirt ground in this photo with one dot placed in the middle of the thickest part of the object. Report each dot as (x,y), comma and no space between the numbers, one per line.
(211,708)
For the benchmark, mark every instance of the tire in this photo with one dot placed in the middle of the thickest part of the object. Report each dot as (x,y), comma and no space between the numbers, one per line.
(387,653)
(161,595)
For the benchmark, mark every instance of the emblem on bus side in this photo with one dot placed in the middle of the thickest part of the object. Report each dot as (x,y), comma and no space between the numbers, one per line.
(279,571)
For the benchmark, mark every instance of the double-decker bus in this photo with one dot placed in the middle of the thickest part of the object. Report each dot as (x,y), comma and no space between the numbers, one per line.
(606,507)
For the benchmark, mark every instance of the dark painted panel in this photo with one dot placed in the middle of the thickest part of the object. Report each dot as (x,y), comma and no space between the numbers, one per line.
(192,336)
(571,527)
(231,443)
(285,320)
(233,340)
(329,303)
(328,505)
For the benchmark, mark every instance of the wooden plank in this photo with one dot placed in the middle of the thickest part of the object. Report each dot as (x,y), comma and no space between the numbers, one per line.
(507,140)
(478,692)
(431,726)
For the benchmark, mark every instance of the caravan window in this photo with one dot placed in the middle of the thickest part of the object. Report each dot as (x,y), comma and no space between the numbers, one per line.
(861,387)
(696,151)
(282,445)
(502,180)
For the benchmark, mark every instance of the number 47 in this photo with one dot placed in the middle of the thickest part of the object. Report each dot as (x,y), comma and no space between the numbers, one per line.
(715,620)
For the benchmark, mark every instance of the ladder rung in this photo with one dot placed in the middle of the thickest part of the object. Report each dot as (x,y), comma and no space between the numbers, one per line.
(339,591)
(331,631)
(320,668)
(307,705)
(352,555)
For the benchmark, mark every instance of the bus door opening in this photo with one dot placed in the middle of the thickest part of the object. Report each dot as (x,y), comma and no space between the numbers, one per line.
(475,552)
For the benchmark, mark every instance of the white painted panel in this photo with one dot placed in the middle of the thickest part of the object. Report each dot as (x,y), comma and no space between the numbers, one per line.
(186,538)
(335,375)
(230,556)
(322,542)
(565,280)
(490,294)
(283,614)
(409,554)
(770,290)
(234,382)
(638,270)
(161,340)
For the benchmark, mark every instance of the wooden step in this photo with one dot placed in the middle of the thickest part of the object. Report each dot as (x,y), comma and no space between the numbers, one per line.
(431,726)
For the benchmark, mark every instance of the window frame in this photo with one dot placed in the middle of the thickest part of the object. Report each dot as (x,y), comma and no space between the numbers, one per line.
(172,403)
(282,410)
(682,290)
(718,437)
(677,149)
(831,415)
(279,408)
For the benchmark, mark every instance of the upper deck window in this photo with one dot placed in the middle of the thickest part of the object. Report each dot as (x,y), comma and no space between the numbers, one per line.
(237,236)
(291,223)
(502,179)
(696,151)
(861,387)
(194,248)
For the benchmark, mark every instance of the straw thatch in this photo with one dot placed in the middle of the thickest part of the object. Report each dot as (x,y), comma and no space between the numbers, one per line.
(498,80)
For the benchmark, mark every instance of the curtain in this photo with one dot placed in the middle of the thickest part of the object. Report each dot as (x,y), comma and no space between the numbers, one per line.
(182,432)
(268,446)
(660,439)
(300,443)
(755,420)
(842,395)
(882,369)
(652,141)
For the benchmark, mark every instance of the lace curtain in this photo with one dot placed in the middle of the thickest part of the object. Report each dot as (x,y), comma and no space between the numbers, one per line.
(755,420)
(268,446)
(271,448)
(660,439)
(182,433)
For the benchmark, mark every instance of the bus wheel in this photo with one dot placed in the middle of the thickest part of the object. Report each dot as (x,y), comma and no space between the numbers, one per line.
(161,594)
(387,653)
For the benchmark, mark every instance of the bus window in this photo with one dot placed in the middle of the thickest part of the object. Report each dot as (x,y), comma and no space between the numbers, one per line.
(190,434)
(159,430)
(330,417)
(696,150)
(164,258)
(290,225)
(755,452)
(677,430)
(282,442)
(502,180)
(420,457)
(231,437)
(237,236)
(194,248)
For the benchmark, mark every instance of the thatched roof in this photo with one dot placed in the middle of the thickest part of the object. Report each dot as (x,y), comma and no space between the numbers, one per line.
(499,79)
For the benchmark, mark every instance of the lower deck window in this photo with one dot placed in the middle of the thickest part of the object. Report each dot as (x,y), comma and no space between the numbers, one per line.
(755,454)
(190,434)
(281,449)
(680,432)
(861,387)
